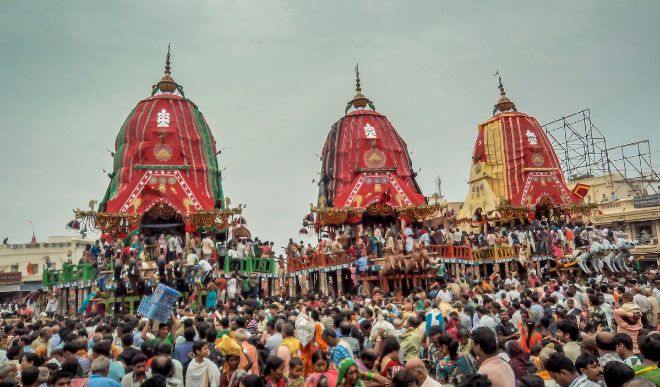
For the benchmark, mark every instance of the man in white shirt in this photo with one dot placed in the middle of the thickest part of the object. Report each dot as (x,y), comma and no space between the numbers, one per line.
(485,319)
(202,371)
(206,266)
(511,281)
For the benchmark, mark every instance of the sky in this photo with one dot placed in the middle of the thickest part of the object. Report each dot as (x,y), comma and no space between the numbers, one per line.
(272,76)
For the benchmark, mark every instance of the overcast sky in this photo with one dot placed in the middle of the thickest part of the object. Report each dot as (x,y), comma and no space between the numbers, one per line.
(272,76)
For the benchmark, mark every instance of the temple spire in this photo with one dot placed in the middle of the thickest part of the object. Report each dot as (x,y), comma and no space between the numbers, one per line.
(504,104)
(167,62)
(359,101)
(167,83)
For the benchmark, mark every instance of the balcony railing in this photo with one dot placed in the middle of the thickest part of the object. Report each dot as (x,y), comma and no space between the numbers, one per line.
(459,254)
(85,272)
(69,273)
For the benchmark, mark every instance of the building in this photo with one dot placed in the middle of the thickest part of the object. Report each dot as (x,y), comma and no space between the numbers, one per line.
(619,208)
(22,265)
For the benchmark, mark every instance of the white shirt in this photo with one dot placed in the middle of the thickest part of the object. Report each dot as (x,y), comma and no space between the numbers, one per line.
(487,321)
(199,374)
(205,265)
(231,285)
(445,295)
(513,295)
(511,282)
(429,382)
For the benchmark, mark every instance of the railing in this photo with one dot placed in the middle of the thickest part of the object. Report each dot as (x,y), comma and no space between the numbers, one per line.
(88,272)
(69,273)
(252,265)
(446,251)
(317,261)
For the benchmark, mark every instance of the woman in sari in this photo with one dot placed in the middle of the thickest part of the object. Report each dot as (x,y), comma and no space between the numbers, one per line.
(317,379)
(389,361)
(274,372)
(448,346)
(349,375)
(529,336)
(320,363)
(231,373)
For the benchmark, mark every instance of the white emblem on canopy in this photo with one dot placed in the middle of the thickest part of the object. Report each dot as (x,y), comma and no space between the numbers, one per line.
(370,131)
(531,137)
(163,119)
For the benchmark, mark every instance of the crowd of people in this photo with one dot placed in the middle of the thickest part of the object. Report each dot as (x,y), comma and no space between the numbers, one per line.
(506,331)
(519,328)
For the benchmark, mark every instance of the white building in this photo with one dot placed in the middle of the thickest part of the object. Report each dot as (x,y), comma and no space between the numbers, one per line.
(22,265)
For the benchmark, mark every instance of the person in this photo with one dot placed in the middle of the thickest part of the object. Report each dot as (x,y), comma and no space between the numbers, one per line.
(587,364)
(617,374)
(568,333)
(349,374)
(418,369)
(99,377)
(60,378)
(412,339)
(339,349)
(296,368)
(290,345)
(183,350)
(563,371)
(624,348)
(162,365)
(649,345)
(449,348)
(231,372)
(485,319)
(252,381)
(138,375)
(30,376)
(211,296)
(274,372)
(519,359)
(628,320)
(505,329)
(404,379)
(321,367)
(606,345)
(389,363)
(202,371)
(485,347)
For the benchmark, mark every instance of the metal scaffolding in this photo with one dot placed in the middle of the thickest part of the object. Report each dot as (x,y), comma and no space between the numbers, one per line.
(579,145)
(633,162)
(582,151)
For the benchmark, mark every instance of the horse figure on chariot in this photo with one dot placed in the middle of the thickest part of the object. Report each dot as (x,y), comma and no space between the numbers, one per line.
(602,251)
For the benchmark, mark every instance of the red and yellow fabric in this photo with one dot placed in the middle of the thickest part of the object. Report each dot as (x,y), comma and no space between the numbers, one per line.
(514,161)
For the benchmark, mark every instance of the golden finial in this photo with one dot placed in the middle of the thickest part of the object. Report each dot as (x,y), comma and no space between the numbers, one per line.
(167,83)
(359,101)
(504,103)
(167,61)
